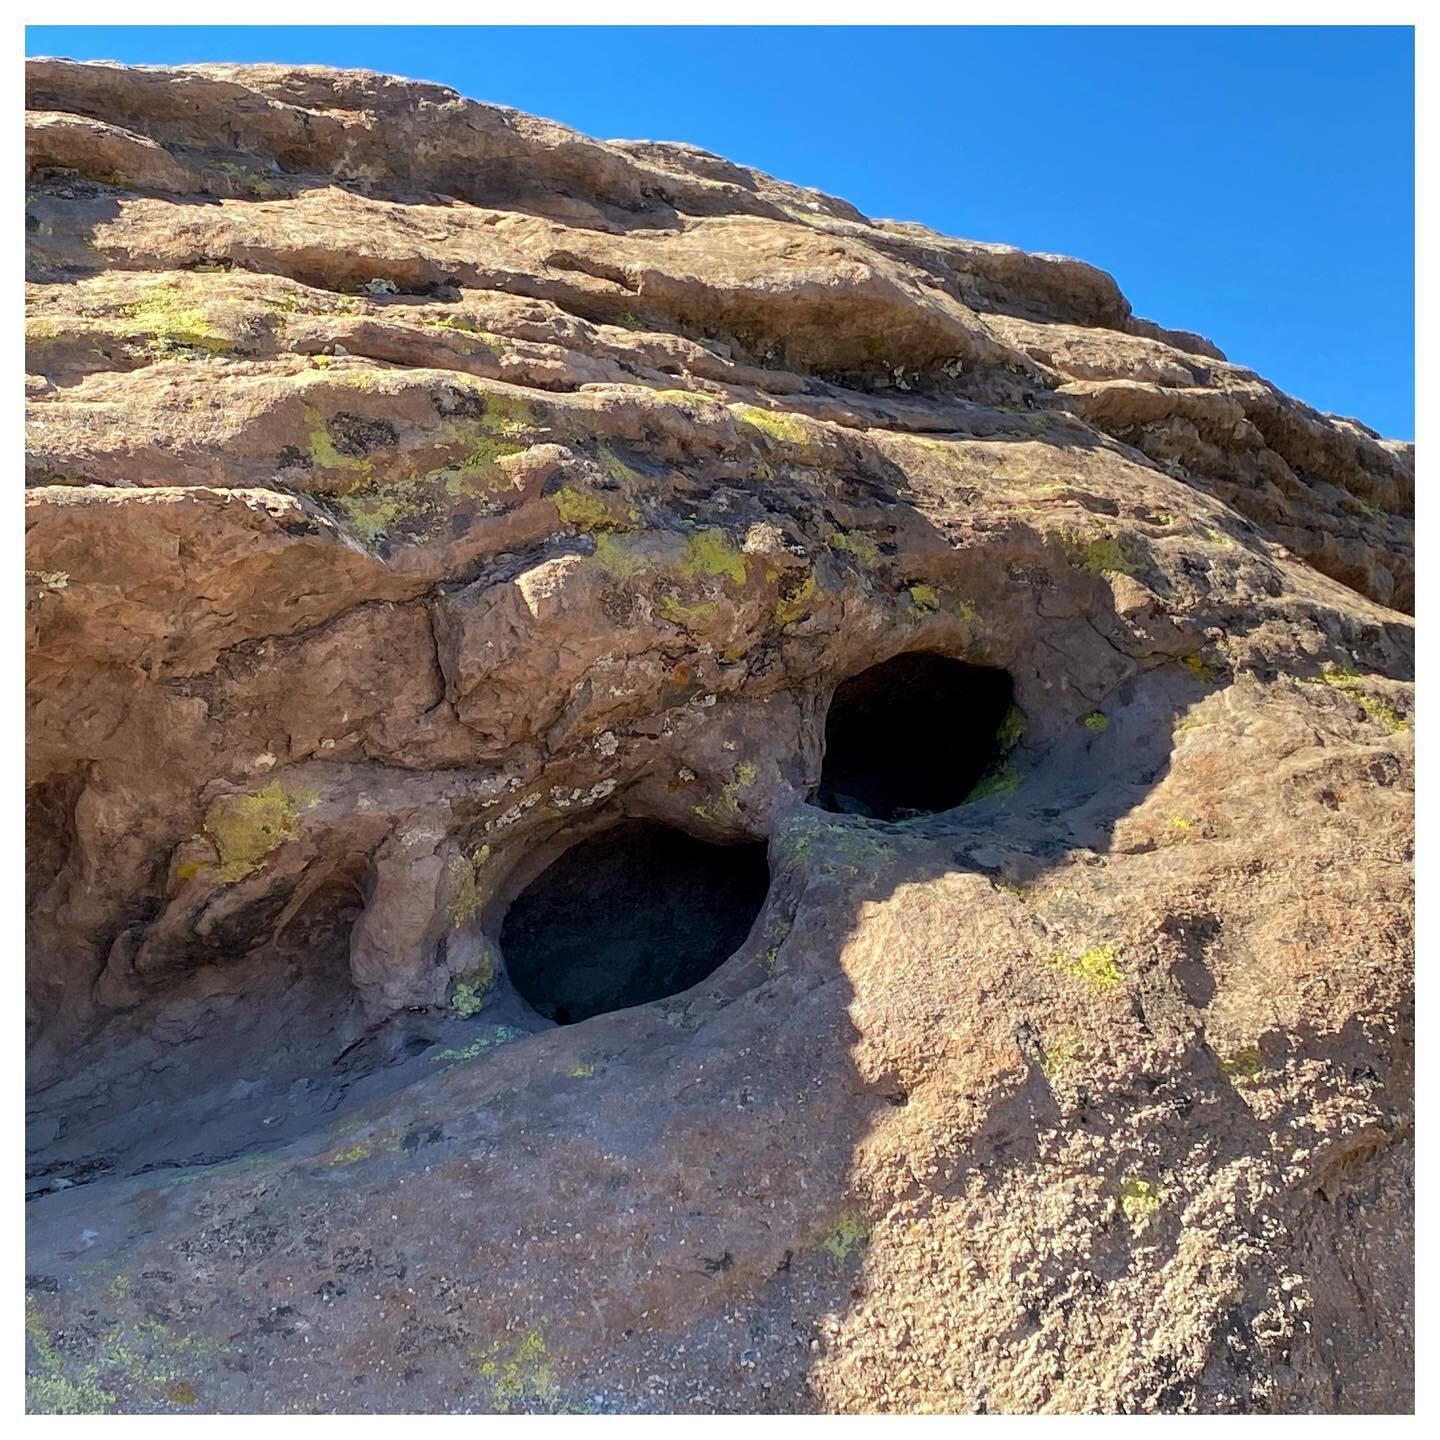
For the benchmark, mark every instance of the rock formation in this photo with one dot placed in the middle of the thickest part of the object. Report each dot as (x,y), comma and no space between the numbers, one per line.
(419,491)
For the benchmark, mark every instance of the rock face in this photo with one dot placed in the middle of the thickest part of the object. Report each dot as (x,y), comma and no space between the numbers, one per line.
(419,490)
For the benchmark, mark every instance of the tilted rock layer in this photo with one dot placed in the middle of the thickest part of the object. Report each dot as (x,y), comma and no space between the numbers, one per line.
(418,488)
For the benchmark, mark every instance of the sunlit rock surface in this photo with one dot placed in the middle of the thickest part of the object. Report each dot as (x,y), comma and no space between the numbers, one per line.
(417,490)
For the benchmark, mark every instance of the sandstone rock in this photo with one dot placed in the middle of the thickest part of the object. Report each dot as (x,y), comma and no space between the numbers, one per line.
(417,490)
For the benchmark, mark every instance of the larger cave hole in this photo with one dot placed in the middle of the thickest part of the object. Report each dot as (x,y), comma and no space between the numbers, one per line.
(631,915)
(912,736)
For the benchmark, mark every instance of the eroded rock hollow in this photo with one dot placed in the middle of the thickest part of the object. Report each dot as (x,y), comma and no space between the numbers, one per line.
(647,793)
(631,915)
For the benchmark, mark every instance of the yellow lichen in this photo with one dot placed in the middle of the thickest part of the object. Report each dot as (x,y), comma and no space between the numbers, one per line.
(1058,1056)
(616,468)
(688,616)
(1012,728)
(495,1035)
(464,892)
(519,1373)
(1001,779)
(618,557)
(1098,967)
(777,424)
(923,598)
(1100,555)
(1139,1199)
(710,552)
(1380,711)
(728,803)
(48,1389)
(323,454)
(175,324)
(1243,1066)
(246,828)
(381,1144)
(849,1232)
(583,511)
(798,604)
(857,543)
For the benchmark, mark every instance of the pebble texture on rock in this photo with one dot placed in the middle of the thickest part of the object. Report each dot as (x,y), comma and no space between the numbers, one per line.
(417,489)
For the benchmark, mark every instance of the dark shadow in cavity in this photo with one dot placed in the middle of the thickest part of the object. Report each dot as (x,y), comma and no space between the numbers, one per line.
(911,736)
(631,915)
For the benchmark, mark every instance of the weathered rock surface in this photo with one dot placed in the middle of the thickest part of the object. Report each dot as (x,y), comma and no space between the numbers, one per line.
(417,488)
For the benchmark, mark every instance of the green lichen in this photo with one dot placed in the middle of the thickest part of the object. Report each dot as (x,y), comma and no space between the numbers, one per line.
(486,342)
(923,598)
(376,509)
(246,828)
(1058,1056)
(797,604)
(843,850)
(728,804)
(685,398)
(1098,967)
(1096,720)
(469,999)
(616,468)
(507,415)
(323,454)
(48,1389)
(175,324)
(370,516)
(475,473)
(850,1232)
(858,544)
(711,553)
(584,511)
(388,1143)
(144,1353)
(1100,555)
(353,1155)
(777,424)
(1001,779)
(1243,1066)
(688,616)
(1012,729)
(495,1035)
(1139,1199)
(583,1070)
(464,891)
(618,558)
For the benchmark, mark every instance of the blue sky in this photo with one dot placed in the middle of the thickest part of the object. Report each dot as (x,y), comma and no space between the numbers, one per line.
(1255,184)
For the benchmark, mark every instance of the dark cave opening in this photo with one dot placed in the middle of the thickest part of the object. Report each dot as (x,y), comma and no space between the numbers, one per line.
(912,736)
(636,913)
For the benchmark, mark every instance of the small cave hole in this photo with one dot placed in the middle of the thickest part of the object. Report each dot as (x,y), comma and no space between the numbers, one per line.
(628,916)
(912,736)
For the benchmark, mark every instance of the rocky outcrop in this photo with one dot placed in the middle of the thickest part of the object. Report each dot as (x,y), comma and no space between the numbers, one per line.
(417,489)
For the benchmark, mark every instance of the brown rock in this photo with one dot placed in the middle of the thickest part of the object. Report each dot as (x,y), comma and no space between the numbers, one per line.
(449,487)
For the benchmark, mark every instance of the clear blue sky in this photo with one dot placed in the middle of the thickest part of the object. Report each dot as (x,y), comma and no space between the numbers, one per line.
(1256,185)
